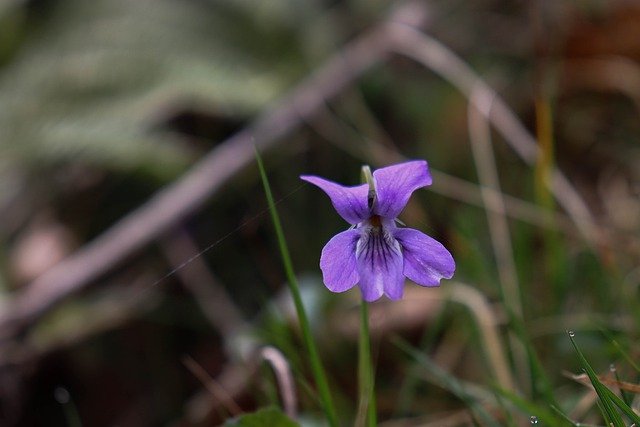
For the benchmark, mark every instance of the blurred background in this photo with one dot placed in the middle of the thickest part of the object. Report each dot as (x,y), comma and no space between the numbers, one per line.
(137,257)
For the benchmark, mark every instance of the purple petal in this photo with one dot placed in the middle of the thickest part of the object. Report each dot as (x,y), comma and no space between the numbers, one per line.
(350,202)
(426,261)
(379,265)
(394,185)
(338,261)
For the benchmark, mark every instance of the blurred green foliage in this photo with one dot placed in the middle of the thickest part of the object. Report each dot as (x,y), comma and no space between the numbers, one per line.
(95,82)
(264,417)
(104,102)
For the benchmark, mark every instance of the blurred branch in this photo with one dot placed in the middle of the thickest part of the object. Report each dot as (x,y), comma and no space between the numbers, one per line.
(606,74)
(282,372)
(213,387)
(232,381)
(214,301)
(206,178)
(488,326)
(484,159)
(481,147)
(438,58)
(418,308)
(81,320)
(327,124)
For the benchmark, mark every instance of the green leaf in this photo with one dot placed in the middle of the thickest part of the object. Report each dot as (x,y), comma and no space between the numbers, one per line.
(271,417)
(93,82)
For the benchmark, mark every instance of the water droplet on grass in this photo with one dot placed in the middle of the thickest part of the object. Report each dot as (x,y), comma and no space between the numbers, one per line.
(571,334)
(61,395)
(534,419)
(612,367)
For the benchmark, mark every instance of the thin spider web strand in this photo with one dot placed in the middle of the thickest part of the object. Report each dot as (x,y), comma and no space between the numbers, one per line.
(220,240)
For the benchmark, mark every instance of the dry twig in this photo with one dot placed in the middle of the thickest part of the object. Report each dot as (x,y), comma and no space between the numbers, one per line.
(215,388)
(206,178)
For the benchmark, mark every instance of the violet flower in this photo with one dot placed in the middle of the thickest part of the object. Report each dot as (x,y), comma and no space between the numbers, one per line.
(375,253)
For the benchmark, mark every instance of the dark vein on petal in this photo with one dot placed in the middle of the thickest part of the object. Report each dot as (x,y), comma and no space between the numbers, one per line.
(381,251)
(384,249)
(373,252)
(367,247)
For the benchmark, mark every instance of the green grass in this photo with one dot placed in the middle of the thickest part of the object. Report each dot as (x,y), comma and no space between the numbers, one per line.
(103,105)
(317,369)
(610,404)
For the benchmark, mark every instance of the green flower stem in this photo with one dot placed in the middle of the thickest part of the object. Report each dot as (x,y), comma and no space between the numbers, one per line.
(314,359)
(365,371)
(365,367)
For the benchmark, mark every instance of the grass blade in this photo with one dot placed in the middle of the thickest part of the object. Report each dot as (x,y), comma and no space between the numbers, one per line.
(408,389)
(619,348)
(448,382)
(540,383)
(530,408)
(608,399)
(564,416)
(626,409)
(318,371)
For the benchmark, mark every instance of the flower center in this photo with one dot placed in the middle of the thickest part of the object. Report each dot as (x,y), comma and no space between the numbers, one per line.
(375,221)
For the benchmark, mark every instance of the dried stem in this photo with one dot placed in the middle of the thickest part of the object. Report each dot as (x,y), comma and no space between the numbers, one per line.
(212,386)
(282,371)
(488,326)
(481,147)
(480,135)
